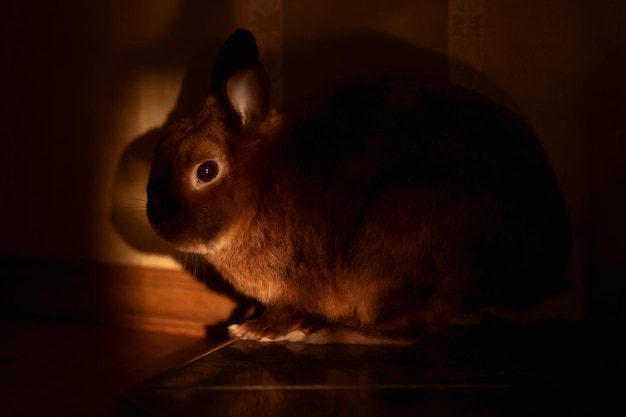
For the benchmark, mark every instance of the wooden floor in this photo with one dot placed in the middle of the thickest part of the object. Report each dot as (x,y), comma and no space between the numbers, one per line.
(566,369)
(573,369)
(49,369)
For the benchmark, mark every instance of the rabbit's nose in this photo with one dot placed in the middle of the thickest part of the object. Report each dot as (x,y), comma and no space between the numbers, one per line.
(163,215)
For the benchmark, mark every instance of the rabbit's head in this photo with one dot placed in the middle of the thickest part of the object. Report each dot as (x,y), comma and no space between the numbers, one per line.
(207,170)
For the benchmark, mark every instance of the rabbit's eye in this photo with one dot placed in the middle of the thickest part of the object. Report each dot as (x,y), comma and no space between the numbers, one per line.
(207,171)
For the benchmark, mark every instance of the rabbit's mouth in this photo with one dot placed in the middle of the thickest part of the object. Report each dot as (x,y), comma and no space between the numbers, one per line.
(167,225)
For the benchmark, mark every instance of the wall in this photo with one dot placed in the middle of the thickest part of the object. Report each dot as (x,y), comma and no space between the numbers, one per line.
(87,85)
(563,62)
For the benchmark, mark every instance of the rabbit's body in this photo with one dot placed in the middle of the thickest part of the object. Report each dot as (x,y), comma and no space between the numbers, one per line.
(372,213)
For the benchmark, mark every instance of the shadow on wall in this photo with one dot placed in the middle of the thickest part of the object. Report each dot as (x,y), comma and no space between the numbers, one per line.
(604,104)
(181,48)
(177,49)
(311,64)
(306,66)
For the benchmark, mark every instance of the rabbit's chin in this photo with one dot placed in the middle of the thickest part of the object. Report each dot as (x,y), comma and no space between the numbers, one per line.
(199,248)
(195,246)
(203,247)
(184,243)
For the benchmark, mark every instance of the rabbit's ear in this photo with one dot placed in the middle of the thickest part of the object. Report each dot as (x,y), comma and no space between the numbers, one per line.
(238,51)
(240,81)
(249,93)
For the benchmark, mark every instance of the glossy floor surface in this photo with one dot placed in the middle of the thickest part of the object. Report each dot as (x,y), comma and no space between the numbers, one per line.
(75,370)
(567,369)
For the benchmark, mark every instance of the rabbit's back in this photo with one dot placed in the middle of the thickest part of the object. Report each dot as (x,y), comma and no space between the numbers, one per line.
(424,189)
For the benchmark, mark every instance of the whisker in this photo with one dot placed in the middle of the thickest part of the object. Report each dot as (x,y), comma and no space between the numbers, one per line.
(131,206)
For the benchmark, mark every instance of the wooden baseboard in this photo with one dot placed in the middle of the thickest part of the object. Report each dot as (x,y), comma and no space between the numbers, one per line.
(149,299)
(140,298)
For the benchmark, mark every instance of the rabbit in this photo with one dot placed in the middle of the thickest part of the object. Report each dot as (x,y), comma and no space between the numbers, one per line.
(378,210)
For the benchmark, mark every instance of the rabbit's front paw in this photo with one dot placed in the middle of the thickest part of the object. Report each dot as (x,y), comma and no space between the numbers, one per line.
(246,331)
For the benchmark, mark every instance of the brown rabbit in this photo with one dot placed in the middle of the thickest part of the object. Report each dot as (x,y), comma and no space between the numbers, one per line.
(374,212)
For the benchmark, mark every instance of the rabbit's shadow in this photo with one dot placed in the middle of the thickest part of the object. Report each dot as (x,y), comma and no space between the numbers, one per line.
(305,67)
